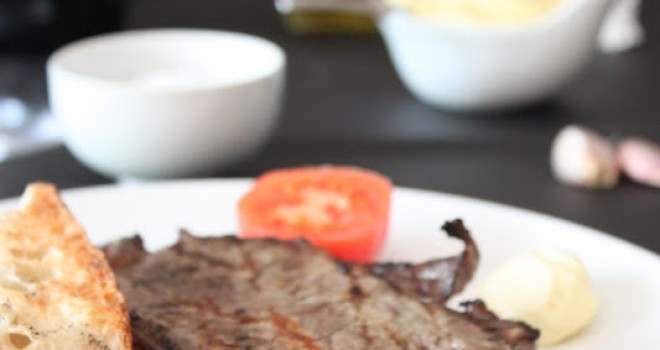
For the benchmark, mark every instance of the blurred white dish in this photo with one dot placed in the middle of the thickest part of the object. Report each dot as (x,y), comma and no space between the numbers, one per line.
(470,64)
(483,67)
(167,102)
(622,29)
(624,276)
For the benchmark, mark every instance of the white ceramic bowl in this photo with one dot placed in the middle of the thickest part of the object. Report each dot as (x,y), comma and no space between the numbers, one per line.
(166,103)
(482,67)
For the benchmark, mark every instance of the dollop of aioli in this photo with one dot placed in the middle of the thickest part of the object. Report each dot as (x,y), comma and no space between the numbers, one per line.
(548,289)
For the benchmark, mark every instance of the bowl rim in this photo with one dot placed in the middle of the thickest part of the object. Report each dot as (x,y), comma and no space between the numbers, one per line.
(547,21)
(54,64)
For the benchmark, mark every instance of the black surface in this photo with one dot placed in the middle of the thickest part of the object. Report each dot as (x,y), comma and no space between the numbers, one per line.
(345,105)
(42,25)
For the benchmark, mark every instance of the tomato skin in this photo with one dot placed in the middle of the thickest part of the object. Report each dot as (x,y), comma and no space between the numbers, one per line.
(344,210)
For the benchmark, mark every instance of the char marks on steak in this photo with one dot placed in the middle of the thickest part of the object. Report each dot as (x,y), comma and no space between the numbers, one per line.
(226,293)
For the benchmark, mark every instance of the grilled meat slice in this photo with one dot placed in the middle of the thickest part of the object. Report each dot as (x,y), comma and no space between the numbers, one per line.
(437,280)
(226,293)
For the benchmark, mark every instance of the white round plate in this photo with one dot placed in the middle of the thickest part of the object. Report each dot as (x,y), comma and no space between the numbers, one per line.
(626,277)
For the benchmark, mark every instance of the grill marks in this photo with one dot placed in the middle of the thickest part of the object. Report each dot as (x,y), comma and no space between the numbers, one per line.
(290,329)
(225,293)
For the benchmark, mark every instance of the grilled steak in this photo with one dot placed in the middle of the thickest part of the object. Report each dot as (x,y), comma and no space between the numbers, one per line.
(226,293)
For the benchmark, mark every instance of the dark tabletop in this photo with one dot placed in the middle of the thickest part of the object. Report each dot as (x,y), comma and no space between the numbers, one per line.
(345,104)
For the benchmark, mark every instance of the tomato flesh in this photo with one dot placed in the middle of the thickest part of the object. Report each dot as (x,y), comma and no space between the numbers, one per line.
(344,210)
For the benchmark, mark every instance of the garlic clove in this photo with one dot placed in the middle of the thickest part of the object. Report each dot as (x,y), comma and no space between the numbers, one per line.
(581,157)
(639,159)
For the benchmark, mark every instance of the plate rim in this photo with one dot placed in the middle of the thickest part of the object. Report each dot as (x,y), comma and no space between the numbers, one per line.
(128,186)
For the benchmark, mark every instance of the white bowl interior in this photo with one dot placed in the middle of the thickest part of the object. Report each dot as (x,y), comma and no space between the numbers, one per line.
(171,58)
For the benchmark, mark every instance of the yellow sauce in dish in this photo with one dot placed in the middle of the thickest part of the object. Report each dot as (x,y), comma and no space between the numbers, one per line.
(478,11)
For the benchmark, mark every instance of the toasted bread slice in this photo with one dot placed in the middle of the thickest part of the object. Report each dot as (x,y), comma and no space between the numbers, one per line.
(56,290)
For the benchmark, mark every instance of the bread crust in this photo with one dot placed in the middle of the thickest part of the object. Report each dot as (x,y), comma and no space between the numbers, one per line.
(56,289)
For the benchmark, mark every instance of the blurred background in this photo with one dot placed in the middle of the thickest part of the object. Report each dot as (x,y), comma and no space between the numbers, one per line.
(43,25)
(345,104)
(31,29)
